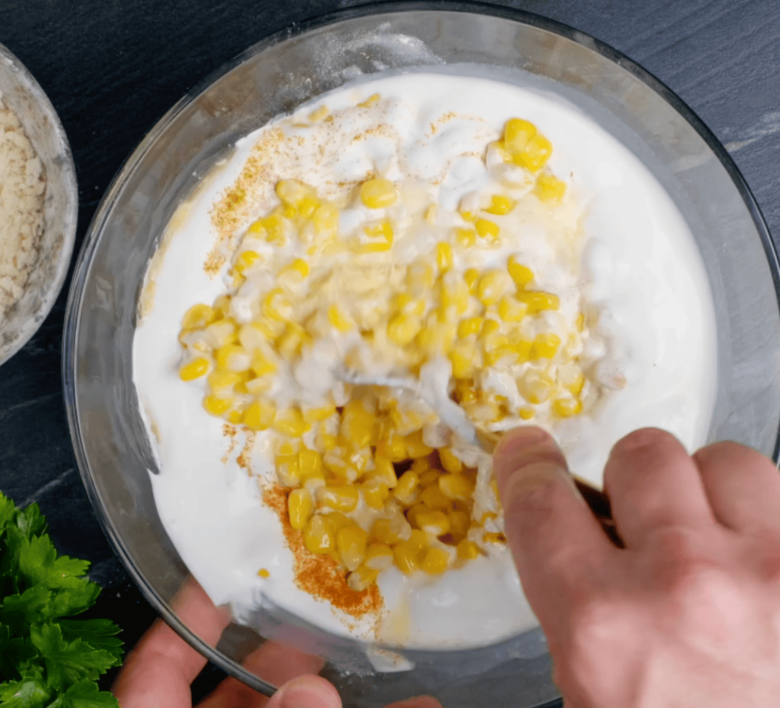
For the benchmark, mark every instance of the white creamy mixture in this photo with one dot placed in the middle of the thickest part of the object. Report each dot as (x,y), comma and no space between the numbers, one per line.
(641,277)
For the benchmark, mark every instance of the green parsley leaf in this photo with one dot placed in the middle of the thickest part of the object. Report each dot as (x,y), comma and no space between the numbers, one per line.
(46,660)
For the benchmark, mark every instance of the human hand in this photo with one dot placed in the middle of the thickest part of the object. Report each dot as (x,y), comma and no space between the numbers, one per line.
(688,614)
(160,669)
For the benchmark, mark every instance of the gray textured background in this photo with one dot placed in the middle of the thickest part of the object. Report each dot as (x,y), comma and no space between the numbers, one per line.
(113,67)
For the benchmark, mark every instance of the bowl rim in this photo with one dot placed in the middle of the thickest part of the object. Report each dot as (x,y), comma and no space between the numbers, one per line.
(294,30)
(26,80)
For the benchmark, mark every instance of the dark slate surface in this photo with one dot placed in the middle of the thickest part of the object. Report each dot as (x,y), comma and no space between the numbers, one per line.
(113,67)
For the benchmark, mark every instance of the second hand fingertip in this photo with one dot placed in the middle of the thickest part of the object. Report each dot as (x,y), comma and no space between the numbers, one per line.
(308,692)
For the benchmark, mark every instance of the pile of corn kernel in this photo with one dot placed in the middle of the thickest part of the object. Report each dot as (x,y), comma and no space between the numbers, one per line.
(370,483)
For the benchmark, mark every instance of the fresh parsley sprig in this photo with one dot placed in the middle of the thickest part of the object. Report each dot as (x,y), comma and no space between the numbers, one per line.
(47,660)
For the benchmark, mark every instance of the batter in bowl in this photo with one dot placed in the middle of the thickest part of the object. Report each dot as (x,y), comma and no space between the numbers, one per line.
(488,239)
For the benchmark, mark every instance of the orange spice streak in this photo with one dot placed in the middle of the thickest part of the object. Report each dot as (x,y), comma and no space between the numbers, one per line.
(321,575)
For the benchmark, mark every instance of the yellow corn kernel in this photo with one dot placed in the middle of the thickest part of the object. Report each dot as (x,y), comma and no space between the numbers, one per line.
(263,573)
(336,463)
(526,413)
(276,305)
(301,197)
(459,522)
(362,578)
(359,426)
(318,536)
(326,441)
(384,472)
(406,304)
(217,406)
(245,261)
(449,462)
(436,523)
(575,383)
(292,341)
(290,422)
(276,225)
(464,237)
(263,364)
(221,383)
(407,557)
(455,486)
(299,507)
(288,469)
(500,205)
(317,415)
(415,447)
(325,219)
(310,464)
(465,359)
(260,415)
(232,357)
(293,273)
(392,447)
(467,550)
(198,317)
(406,489)
(469,325)
(234,416)
(522,275)
(545,346)
(339,319)
(491,286)
(567,407)
(413,512)
(536,386)
(336,520)
(434,499)
(429,476)
(517,134)
(549,188)
(487,229)
(351,546)
(194,369)
(378,193)
(339,497)
(435,561)
(471,278)
(375,494)
(510,309)
(391,531)
(523,349)
(455,295)
(444,256)
(421,464)
(538,301)
(379,556)
(536,153)
(221,332)
(494,537)
(402,329)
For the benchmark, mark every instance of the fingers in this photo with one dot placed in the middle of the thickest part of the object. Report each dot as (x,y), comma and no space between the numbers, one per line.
(305,692)
(743,487)
(653,483)
(273,662)
(158,672)
(558,546)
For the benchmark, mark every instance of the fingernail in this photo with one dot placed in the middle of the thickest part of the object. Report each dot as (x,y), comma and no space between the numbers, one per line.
(308,692)
(525,459)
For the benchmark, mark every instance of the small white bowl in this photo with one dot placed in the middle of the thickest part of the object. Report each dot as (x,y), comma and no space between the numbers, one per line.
(22,94)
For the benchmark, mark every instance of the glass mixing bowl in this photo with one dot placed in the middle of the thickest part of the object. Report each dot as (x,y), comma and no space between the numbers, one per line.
(275,76)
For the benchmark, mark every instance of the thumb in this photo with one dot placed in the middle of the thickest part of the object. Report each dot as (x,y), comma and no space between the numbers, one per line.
(306,692)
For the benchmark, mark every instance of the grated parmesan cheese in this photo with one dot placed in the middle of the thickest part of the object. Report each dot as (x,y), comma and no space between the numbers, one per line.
(22,191)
